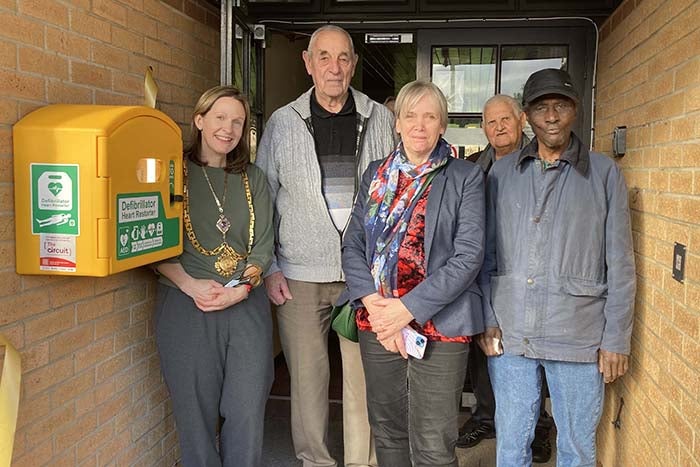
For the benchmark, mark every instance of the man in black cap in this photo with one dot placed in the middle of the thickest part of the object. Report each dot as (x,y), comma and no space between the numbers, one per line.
(503,121)
(558,279)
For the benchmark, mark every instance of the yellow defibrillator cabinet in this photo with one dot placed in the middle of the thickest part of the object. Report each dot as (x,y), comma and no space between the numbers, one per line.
(98,189)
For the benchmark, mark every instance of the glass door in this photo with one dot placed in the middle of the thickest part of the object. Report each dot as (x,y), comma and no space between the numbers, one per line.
(471,65)
(242,53)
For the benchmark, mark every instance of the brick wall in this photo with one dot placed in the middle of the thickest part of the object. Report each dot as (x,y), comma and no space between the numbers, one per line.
(649,80)
(92,393)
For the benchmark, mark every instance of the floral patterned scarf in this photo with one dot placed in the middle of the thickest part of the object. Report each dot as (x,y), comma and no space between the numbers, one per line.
(386,219)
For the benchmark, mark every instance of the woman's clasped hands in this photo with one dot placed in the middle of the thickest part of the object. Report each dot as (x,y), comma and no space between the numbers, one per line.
(210,295)
(388,316)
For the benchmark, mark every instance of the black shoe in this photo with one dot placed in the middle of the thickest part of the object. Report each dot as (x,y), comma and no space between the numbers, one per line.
(541,447)
(473,437)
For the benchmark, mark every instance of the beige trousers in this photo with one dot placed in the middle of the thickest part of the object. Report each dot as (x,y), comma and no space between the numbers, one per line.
(304,323)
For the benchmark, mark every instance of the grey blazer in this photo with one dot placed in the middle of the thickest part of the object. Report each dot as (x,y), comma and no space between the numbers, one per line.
(454,250)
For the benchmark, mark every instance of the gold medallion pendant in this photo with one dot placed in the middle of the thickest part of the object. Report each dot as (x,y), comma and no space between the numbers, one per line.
(226,262)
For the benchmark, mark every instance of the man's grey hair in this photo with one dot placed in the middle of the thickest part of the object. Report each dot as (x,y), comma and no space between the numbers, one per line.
(329,27)
(506,99)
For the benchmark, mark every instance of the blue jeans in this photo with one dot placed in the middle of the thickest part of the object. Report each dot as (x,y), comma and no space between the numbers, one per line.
(576,391)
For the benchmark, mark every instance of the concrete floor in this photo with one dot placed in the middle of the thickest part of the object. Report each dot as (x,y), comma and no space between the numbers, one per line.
(278,450)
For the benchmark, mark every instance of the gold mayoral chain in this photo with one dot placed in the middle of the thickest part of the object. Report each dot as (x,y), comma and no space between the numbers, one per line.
(228,258)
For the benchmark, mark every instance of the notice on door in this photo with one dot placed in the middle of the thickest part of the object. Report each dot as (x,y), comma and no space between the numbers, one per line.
(55,200)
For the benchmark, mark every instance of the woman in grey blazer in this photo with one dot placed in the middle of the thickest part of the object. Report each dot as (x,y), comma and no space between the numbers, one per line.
(411,253)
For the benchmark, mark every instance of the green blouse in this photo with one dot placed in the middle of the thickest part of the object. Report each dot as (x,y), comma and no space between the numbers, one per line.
(204,214)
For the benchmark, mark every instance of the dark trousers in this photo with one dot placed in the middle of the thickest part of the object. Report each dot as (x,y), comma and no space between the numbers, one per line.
(414,404)
(216,365)
(485,409)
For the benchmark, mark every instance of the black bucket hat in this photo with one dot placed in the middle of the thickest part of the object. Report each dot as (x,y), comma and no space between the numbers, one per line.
(548,81)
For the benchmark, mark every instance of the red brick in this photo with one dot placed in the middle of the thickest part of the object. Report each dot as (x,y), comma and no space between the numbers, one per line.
(21,306)
(128,83)
(10,283)
(72,388)
(48,324)
(108,452)
(21,85)
(157,50)
(95,307)
(94,353)
(39,454)
(22,30)
(90,26)
(110,10)
(127,40)
(8,55)
(75,432)
(91,75)
(37,380)
(35,356)
(50,12)
(71,340)
(111,324)
(64,93)
(112,98)
(111,57)
(114,406)
(687,74)
(31,409)
(67,43)
(113,365)
(8,111)
(91,443)
(141,24)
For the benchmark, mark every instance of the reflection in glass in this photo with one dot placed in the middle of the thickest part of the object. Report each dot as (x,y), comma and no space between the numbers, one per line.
(466,75)
(519,62)
(465,135)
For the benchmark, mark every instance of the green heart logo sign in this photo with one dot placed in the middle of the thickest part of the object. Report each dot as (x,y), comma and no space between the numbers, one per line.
(55,188)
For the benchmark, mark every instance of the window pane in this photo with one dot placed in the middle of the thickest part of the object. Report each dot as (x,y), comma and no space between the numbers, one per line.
(519,62)
(466,75)
(466,135)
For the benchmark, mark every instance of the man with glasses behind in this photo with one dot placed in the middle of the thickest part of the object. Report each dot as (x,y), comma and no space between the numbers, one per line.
(558,279)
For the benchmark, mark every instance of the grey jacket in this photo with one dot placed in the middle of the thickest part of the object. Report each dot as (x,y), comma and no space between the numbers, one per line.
(558,275)
(454,249)
(307,241)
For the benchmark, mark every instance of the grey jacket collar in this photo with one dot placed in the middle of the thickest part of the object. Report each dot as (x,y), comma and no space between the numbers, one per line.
(575,154)
(488,155)
(302,105)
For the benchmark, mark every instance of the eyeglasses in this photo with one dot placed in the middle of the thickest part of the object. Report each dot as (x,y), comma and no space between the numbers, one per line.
(560,108)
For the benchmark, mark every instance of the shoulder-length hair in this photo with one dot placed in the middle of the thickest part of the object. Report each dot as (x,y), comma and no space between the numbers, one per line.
(238,159)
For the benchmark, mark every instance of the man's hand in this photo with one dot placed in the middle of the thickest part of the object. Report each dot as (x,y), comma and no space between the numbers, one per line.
(491,342)
(612,365)
(277,288)
(393,317)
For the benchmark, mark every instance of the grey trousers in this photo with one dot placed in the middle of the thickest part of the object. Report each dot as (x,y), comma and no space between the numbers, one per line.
(216,364)
(414,404)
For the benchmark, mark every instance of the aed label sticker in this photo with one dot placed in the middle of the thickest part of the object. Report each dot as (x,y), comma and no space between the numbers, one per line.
(55,201)
(142,226)
(57,252)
